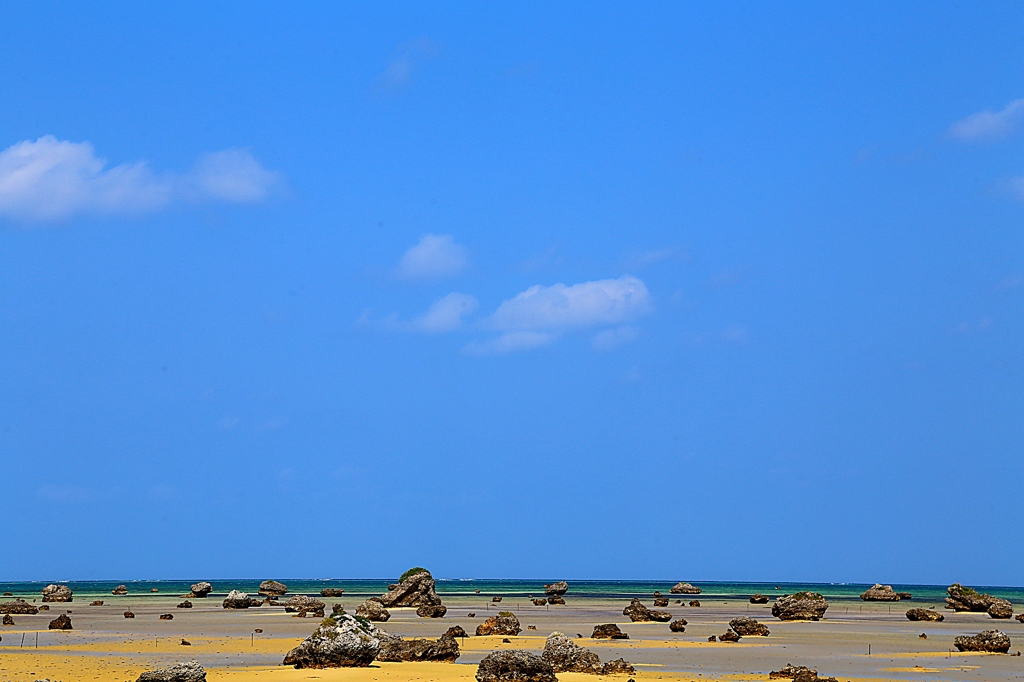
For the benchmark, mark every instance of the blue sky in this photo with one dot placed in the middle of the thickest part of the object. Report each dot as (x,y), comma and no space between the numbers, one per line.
(653,291)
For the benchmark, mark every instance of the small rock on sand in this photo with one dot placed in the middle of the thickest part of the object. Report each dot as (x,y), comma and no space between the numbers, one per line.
(505,623)
(729,635)
(880,592)
(129,614)
(372,609)
(166,616)
(695,604)
(185,604)
(539,602)
(456,631)
(61,622)
(661,602)
(638,613)
(339,641)
(608,631)
(201,589)
(800,606)
(395,649)
(924,614)
(432,611)
(8,619)
(514,666)
(303,605)
(332,592)
(678,625)
(495,600)
(1001,608)
(556,599)
(749,627)
(182,672)
(20,606)
(992,641)
(239,600)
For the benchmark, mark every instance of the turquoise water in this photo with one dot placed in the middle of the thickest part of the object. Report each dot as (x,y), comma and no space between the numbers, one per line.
(578,589)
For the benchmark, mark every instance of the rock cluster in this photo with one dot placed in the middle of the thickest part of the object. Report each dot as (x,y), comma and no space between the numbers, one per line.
(339,641)
(610,631)
(800,606)
(879,592)
(759,599)
(182,672)
(373,609)
(332,592)
(678,625)
(415,589)
(61,622)
(638,613)
(272,588)
(239,600)
(684,588)
(201,589)
(729,635)
(395,649)
(432,611)
(558,589)
(514,666)
(556,599)
(57,593)
(991,641)
(966,599)
(565,656)
(18,606)
(539,602)
(505,623)
(304,605)
(924,614)
(749,627)
(798,673)
(119,591)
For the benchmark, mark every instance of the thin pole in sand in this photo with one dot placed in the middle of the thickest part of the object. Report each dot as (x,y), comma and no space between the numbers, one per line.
(869,649)
(37,640)
(23,639)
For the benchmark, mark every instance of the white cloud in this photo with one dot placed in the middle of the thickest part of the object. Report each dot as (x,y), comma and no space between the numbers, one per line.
(407,58)
(610,339)
(435,256)
(446,313)
(510,342)
(50,179)
(603,302)
(989,125)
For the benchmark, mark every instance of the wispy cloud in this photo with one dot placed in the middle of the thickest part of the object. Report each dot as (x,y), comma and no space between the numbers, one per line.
(50,179)
(446,314)
(610,339)
(434,257)
(407,58)
(985,126)
(510,342)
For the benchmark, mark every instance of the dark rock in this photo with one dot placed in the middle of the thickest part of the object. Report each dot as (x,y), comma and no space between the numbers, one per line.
(1020,617)
(556,599)
(924,614)
(712,638)
(201,589)
(608,631)
(657,594)
(678,625)
(395,649)
(119,591)
(258,631)
(339,641)
(1001,608)
(98,602)
(185,642)
(684,588)
(303,605)
(18,606)
(991,641)
(495,600)
(800,606)
(965,599)
(57,593)
(455,631)
(759,599)
(506,640)
(749,627)
(695,604)
(558,589)
(638,613)
(61,622)
(373,609)
(332,592)
(8,619)
(239,600)
(129,614)
(185,604)
(166,616)
(182,672)
(505,623)
(44,607)
(799,673)
(904,596)
(879,592)
(514,666)
(531,627)
(619,666)
(471,615)
(268,601)
(432,611)
(729,635)
(272,588)
(566,656)
(415,590)
(8,594)
(539,602)
(661,602)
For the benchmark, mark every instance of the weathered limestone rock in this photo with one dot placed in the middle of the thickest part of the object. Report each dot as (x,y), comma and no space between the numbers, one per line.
(239,600)
(61,622)
(966,599)
(879,592)
(749,627)
(98,602)
(119,591)
(416,588)
(182,672)
(558,589)
(565,656)
(684,588)
(373,609)
(185,604)
(8,619)
(729,635)
(272,588)
(395,649)
(332,592)
(556,599)
(18,606)
(495,600)
(514,666)
(201,589)
(1001,608)
(661,602)
(57,593)
(904,596)
(800,606)
(992,641)
(129,614)
(166,616)
(608,631)
(695,603)
(539,602)
(432,611)
(455,631)
(638,613)
(798,673)
(924,614)
(505,623)
(619,666)
(759,599)
(339,641)
(678,625)
(304,605)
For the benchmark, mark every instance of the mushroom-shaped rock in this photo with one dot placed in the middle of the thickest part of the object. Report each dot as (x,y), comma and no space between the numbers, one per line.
(272,588)
(759,599)
(559,588)
(566,656)
(966,599)
(879,592)
(1001,608)
(608,631)
(505,624)
(729,635)
(119,591)
(61,622)
(556,599)
(455,631)
(749,627)
(416,588)
(395,649)
(303,604)
(638,613)
(182,672)
(239,600)
(57,593)
(339,641)
(678,625)
(514,665)
(18,606)
(684,588)
(924,614)
(991,641)
(201,589)
(373,609)
(800,606)
(332,592)
(432,611)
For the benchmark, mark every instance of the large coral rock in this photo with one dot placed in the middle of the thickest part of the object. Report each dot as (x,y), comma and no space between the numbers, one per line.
(685,588)
(556,599)
(559,588)
(514,666)
(638,613)
(1001,608)
(749,627)
(800,606)
(304,605)
(966,599)
(879,592)
(798,673)
(332,592)
(619,666)
(416,589)
(505,623)
(990,640)
(57,593)
(239,600)
(610,631)
(182,672)
(565,656)
(18,606)
(272,588)
(373,609)
(201,589)
(395,649)
(119,591)
(924,614)
(61,622)
(432,611)
(339,641)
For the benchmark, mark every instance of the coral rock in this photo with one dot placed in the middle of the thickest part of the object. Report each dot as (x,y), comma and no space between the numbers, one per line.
(800,606)
(514,666)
